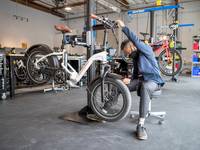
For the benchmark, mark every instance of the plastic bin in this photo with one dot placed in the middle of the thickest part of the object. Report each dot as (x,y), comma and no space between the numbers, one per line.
(196,71)
(195,58)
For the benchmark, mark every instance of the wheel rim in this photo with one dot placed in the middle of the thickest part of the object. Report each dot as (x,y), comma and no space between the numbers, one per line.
(166,63)
(38,75)
(113,103)
(20,74)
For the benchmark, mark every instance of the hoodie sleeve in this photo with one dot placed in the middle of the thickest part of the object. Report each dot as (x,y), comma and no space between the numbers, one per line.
(141,46)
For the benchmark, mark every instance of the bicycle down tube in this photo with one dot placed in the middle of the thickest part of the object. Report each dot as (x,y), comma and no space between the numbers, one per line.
(75,76)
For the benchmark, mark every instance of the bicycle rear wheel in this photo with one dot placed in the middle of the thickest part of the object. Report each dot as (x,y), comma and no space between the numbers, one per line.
(20,73)
(116,102)
(38,75)
(165,63)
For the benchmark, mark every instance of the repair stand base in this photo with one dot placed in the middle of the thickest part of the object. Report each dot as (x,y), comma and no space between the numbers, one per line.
(174,79)
(78,117)
(53,88)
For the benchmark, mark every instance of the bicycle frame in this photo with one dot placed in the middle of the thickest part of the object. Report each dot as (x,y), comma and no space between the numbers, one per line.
(164,46)
(101,56)
(74,75)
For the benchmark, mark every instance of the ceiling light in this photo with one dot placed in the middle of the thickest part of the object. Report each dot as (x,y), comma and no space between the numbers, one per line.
(68,8)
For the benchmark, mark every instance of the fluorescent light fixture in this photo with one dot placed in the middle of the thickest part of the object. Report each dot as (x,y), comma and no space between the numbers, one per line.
(68,8)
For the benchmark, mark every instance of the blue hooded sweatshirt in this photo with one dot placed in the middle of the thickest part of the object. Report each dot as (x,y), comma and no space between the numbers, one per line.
(147,63)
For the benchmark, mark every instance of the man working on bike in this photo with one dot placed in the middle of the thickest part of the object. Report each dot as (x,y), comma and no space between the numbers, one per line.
(146,75)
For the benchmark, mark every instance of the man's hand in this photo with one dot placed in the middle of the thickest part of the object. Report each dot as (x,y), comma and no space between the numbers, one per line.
(120,23)
(126,81)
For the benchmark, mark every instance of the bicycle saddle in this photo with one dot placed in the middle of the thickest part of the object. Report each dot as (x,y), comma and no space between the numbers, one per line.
(144,34)
(173,26)
(63,28)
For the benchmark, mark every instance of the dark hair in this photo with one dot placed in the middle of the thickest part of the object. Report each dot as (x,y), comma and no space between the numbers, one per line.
(124,43)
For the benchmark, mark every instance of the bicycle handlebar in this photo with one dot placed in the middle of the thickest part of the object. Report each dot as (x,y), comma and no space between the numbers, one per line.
(173,26)
(105,21)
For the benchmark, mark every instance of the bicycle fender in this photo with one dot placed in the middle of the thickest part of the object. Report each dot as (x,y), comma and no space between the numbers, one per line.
(43,47)
(47,49)
(110,75)
(95,79)
(114,75)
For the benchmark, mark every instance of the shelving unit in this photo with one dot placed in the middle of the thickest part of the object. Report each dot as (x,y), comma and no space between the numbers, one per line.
(196,57)
(2,76)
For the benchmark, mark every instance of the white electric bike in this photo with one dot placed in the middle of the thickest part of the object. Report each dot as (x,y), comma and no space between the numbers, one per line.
(110,98)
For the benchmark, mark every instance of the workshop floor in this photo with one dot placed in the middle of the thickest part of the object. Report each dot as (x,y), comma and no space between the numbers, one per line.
(30,122)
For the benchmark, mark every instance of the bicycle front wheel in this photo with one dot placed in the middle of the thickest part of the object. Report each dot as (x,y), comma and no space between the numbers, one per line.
(114,104)
(165,62)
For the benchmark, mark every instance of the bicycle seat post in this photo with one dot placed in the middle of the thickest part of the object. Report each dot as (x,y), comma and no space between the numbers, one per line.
(63,41)
(105,39)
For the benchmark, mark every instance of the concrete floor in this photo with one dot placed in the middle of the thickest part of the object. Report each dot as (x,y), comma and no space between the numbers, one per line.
(30,122)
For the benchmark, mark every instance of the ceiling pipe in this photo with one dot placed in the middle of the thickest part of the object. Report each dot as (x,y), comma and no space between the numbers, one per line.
(126,5)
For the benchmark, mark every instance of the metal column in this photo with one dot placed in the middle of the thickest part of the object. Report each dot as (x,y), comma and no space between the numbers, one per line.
(81,116)
(90,5)
(151,26)
(175,32)
(176,17)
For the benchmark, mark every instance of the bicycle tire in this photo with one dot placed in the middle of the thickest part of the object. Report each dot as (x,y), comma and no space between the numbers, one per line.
(20,74)
(164,70)
(126,96)
(28,67)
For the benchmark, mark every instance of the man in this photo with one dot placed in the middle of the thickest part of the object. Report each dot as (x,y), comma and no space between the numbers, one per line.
(146,74)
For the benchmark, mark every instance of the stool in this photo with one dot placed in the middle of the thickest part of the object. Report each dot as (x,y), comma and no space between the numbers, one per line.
(160,115)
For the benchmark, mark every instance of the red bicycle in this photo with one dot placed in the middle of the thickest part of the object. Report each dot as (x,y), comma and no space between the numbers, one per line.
(166,54)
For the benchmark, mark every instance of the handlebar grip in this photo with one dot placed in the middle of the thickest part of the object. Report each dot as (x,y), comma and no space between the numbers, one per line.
(105,21)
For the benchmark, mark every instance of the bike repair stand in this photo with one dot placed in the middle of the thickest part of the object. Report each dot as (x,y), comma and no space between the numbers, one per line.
(174,77)
(175,32)
(53,88)
(81,116)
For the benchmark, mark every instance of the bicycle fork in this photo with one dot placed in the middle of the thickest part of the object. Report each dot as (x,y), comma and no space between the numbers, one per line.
(105,70)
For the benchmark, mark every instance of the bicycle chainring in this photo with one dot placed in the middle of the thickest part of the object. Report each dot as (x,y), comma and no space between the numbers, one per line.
(60,76)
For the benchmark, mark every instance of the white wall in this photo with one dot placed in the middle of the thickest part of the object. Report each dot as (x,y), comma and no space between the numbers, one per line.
(190,14)
(77,26)
(39,28)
